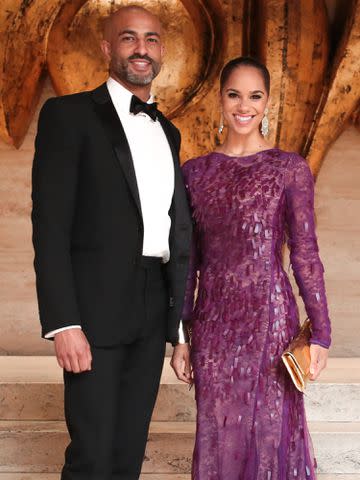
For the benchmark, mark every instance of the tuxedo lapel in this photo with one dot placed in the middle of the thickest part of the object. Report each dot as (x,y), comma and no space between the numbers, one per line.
(179,208)
(109,118)
(170,137)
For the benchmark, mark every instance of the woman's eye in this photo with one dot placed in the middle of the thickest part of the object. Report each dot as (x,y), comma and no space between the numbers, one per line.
(256,97)
(233,95)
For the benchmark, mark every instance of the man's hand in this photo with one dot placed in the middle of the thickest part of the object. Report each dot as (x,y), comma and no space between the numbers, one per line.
(180,363)
(319,356)
(73,350)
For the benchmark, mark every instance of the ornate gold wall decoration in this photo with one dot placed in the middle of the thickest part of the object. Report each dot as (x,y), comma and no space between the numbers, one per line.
(75,61)
(341,98)
(199,120)
(7,14)
(24,26)
(292,39)
(198,41)
(201,35)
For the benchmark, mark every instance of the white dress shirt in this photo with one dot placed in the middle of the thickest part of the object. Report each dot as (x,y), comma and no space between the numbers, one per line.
(154,170)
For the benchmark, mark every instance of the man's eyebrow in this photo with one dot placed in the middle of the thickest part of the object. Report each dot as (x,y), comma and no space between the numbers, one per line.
(133,32)
(130,32)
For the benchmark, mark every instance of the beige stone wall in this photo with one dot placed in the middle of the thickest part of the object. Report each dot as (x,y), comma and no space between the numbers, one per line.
(338,202)
(338,219)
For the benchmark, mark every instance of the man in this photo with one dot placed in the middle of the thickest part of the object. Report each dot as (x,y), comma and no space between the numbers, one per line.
(111,232)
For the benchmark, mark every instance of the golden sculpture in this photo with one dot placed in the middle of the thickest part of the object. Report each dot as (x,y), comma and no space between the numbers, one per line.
(341,95)
(307,112)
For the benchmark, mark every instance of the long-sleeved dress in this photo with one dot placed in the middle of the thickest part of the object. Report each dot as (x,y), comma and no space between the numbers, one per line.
(251,422)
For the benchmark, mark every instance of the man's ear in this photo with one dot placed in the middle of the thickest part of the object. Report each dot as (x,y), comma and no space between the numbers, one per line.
(106,49)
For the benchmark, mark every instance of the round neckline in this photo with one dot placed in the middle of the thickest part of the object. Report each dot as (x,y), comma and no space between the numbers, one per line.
(244,156)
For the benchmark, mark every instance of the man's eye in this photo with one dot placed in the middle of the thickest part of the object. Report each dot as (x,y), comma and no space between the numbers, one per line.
(127,39)
(153,40)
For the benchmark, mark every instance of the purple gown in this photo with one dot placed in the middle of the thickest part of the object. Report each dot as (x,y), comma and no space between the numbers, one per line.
(251,422)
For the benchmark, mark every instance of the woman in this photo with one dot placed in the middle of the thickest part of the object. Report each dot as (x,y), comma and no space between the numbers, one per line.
(244,197)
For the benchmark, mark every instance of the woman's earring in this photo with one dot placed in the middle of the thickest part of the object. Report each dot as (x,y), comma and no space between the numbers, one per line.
(221,126)
(265,123)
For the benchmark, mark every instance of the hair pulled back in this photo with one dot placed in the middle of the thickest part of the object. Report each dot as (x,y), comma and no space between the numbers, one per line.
(245,62)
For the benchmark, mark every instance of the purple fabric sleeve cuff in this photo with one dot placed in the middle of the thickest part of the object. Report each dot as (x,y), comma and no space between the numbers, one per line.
(318,342)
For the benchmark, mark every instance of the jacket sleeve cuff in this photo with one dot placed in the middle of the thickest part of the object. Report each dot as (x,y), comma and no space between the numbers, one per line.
(58,330)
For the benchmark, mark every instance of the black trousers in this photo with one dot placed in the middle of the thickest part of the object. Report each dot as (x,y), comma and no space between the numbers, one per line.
(108,409)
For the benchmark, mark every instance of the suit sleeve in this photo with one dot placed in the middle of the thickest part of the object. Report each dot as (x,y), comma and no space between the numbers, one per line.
(54,187)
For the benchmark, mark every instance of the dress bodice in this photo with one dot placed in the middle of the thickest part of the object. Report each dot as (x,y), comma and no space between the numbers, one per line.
(244,209)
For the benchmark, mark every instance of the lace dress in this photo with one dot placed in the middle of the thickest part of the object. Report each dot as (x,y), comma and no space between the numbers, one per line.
(251,422)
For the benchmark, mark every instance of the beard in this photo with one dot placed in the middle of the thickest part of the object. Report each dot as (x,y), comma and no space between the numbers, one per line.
(121,68)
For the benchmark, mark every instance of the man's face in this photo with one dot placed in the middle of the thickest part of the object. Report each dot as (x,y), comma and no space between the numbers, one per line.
(134,47)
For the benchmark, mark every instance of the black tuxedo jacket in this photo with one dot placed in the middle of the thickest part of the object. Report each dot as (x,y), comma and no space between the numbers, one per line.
(87,222)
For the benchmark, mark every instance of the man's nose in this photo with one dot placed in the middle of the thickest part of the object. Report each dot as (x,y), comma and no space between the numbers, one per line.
(141,46)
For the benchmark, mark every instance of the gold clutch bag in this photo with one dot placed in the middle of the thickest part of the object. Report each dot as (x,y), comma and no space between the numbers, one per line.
(297,357)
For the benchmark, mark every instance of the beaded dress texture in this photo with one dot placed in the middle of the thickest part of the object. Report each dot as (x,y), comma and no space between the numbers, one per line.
(251,422)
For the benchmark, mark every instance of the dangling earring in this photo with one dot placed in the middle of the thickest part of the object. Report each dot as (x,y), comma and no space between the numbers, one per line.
(221,126)
(265,123)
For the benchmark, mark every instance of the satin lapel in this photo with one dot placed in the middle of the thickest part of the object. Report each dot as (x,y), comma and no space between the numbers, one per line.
(179,200)
(170,136)
(109,118)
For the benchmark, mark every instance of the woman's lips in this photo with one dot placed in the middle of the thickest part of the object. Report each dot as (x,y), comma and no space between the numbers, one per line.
(243,119)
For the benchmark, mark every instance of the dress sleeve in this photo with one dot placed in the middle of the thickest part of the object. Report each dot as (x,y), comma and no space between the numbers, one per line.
(194,263)
(304,252)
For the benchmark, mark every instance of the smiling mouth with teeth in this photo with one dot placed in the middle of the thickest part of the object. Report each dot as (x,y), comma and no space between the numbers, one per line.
(243,118)
(140,63)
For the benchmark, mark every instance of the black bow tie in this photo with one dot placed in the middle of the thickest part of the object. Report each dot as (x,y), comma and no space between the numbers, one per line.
(137,106)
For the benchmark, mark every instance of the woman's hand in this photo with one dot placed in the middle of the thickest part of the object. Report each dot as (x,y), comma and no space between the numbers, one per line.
(319,356)
(180,362)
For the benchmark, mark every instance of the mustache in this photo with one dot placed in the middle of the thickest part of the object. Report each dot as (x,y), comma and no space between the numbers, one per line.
(137,56)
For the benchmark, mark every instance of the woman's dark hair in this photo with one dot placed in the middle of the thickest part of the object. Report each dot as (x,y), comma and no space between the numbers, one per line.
(244,62)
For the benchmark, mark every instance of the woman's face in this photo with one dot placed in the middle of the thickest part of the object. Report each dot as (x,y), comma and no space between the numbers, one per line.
(244,100)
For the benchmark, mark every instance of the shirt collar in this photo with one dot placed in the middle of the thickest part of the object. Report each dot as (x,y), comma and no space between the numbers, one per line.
(121,96)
